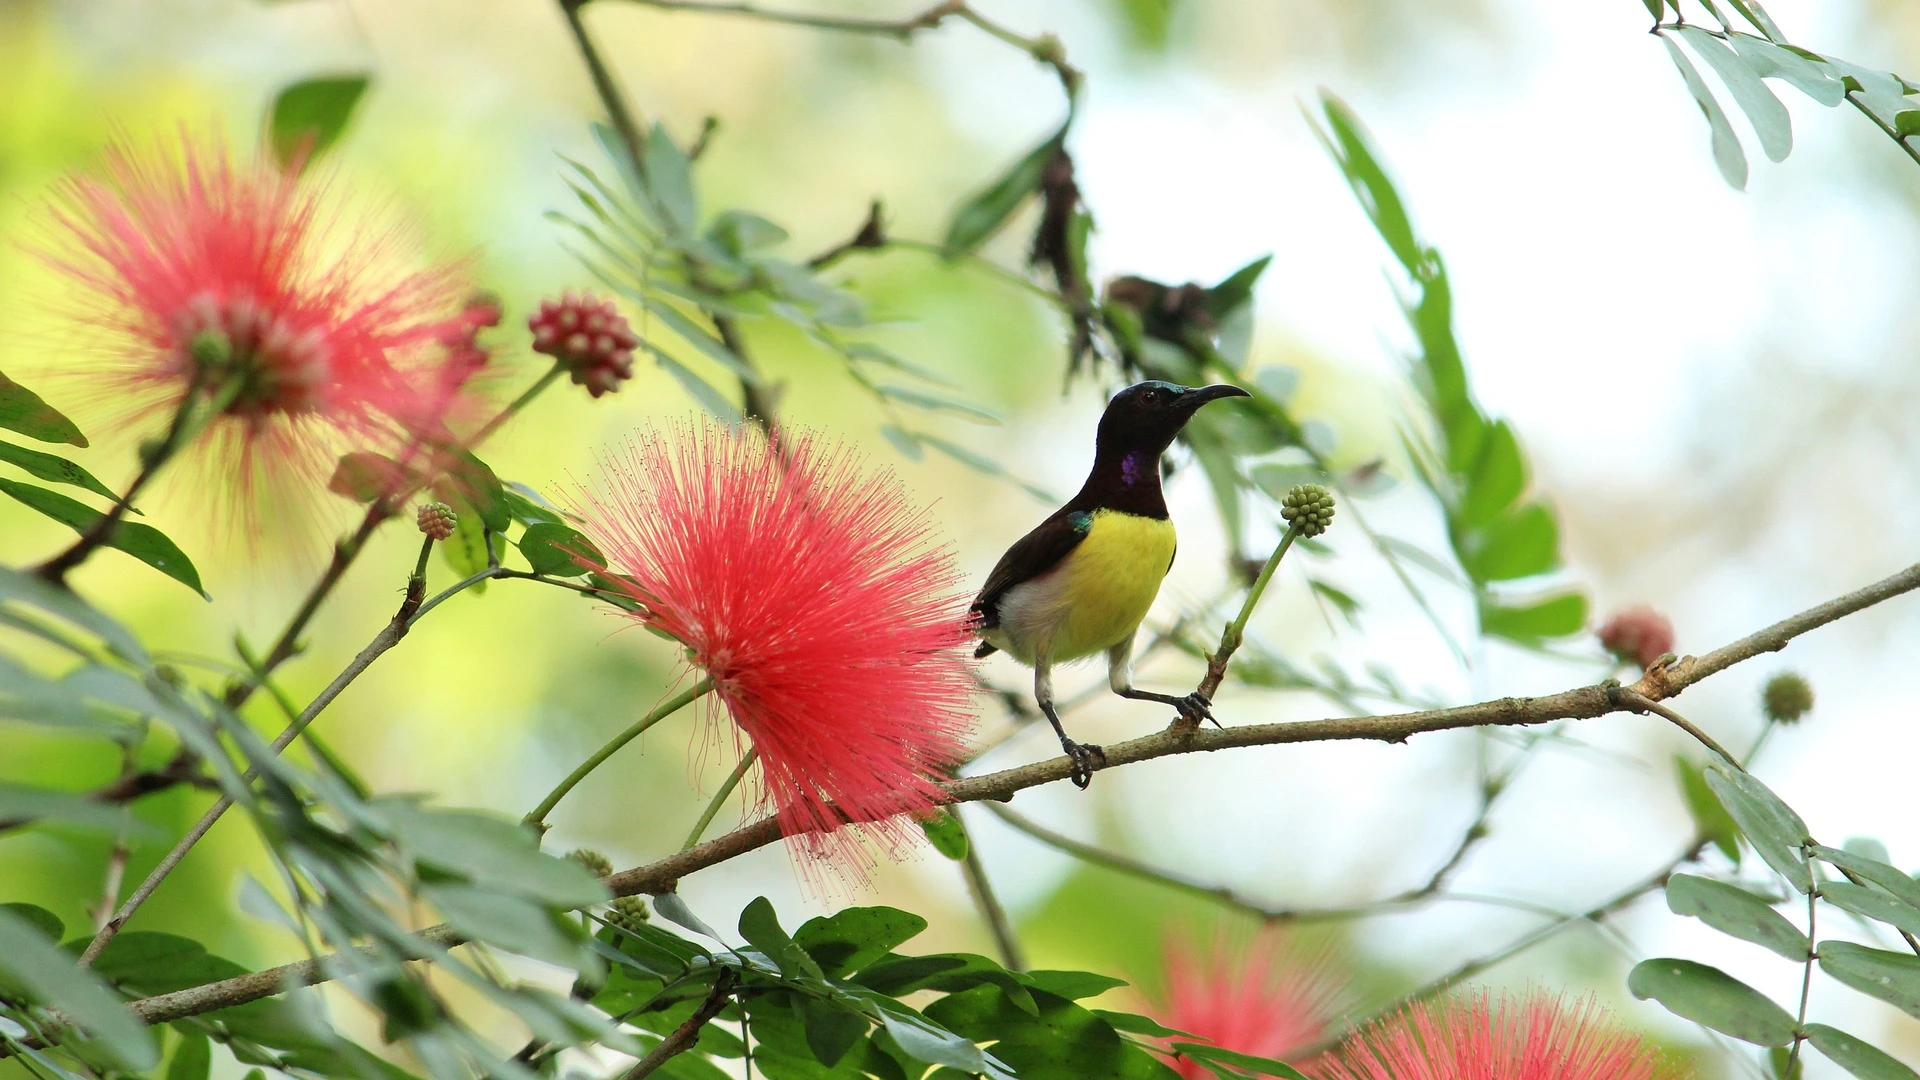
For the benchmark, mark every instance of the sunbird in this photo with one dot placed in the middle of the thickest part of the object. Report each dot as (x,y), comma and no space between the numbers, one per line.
(1081,582)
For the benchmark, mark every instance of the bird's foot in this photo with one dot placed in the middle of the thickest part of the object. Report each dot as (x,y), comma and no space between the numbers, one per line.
(1086,757)
(1193,709)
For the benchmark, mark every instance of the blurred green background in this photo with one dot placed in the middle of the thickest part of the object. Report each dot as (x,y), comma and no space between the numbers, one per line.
(1716,389)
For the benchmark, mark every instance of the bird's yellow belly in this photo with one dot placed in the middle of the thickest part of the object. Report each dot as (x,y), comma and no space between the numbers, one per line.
(1098,595)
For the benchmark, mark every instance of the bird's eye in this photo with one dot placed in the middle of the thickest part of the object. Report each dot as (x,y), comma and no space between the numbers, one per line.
(1152,396)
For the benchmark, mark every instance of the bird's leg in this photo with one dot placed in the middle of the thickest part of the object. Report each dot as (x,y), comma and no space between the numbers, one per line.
(1193,708)
(1086,757)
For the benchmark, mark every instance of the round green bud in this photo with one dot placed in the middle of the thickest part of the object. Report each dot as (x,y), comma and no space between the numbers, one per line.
(1787,698)
(627,911)
(437,519)
(1308,508)
(595,863)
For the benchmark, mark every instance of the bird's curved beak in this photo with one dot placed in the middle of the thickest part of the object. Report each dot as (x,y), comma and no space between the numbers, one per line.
(1200,395)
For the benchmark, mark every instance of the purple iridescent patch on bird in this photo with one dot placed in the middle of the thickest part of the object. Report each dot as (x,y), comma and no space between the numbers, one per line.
(1133,468)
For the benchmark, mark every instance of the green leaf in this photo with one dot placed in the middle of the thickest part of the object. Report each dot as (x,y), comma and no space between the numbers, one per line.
(1774,830)
(1236,290)
(1527,624)
(1872,904)
(946,833)
(1656,8)
(925,1042)
(1710,819)
(1134,1024)
(19,802)
(39,918)
(1757,15)
(1892,977)
(1519,545)
(49,976)
(143,542)
(1764,111)
(1860,1058)
(1496,478)
(1733,910)
(1709,996)
(54,468)
(740,232)
(23,411)
(1352,149)
(852,938)
(1891,878)
(30,589)
(709,344)
(669,176)
(491,852)
(473,482)
(147,962)
(761,927)
(309,116)
(983,212)
(1206,1052)
(699,389)
(528,506)
(1807,72)
(193,1059)
(364,476)
(465,551)
(831,1030)
(1727,154)
(922,400)
(552,549)
(1072,985)
(670,906)
(509,922)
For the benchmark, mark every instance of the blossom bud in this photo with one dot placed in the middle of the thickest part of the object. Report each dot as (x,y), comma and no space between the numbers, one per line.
(1308,508)
(1787,698)
(627,911)
(585,335)
(1638,635)
(595,863)
(436,519)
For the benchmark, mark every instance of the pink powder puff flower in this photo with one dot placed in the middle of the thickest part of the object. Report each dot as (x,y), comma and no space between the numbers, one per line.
(1262,997)
(1539,1037)
(1638,634)
(816,601)
(306,324)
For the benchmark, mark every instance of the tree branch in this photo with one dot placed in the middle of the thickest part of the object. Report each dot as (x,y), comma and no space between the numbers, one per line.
(1581,703)
(683,1037)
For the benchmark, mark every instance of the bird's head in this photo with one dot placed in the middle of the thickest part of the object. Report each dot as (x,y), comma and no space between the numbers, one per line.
(1146,416)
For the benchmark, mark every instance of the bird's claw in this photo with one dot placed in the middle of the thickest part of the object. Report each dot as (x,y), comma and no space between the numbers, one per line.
(1086,757)
(1193,709)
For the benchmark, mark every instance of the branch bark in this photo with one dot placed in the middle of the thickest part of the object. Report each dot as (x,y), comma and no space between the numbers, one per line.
(1580,703)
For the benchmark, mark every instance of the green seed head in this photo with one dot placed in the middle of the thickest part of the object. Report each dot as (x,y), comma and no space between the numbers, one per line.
(437,519)
(627,911)
(1308,508)
(1787,698)
(596,864)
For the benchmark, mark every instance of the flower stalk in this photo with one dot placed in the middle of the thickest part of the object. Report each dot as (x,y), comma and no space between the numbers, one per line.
(537,817)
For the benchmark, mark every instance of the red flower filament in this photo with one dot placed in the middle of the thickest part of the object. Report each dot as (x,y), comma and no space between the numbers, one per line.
(816,601)
(1262,998)
(303,323)
(1540,1037)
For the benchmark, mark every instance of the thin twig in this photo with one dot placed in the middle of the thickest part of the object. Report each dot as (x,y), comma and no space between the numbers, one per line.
(720,797)
(1012,957)
(1584,702)
(684,1036)
(1639,703)
(610,96)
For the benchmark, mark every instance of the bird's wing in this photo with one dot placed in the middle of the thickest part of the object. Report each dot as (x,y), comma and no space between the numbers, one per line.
(1032,555)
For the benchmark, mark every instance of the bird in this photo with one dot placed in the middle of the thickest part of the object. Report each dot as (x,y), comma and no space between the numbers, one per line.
(1081,582)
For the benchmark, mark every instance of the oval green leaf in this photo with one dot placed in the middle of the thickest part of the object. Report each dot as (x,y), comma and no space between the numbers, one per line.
(1891,878)
(1873,904)
(985,211)
(946,834)
(1764,111)
(1517,545)
(50,976)
(1710,819)
(364,476)
(1528,624)
(143,542)
(1776,832)
(555,549)
(1713,998)
(54,468)
(309,116)
(1862,1059)
(1892,977)
(1727,154)
(1735,911)
(23,411)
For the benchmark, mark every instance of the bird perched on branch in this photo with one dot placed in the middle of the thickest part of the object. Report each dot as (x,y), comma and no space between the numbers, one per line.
(1081,582)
